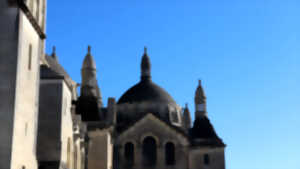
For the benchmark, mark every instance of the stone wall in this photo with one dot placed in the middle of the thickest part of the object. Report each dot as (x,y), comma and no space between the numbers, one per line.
(26,101)
(50,121)
(216,158)
(152,127)
(100,150)
(8,67)
(67,141)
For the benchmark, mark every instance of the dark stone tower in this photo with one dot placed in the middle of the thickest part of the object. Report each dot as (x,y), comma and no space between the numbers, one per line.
(186,118)
(90,100)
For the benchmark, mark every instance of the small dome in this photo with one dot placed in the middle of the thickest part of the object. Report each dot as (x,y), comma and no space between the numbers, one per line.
(147,97)
(146,91)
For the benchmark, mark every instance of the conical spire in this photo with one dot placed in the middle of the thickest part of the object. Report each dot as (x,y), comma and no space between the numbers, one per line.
(146,66)
(200,101)
(186,117)
(89,83)
(89,60)
(200,95)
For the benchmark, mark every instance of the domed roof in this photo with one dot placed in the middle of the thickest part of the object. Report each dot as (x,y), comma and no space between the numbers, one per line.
(146,91)
(147,97)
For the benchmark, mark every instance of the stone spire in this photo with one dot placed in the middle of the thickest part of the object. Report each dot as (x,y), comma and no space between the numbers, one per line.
(186,117)
(89,62)
(145,66)
(89,83)
(200,101)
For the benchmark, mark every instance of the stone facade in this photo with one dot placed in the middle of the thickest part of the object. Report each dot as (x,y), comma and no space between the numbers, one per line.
(45,124)
(147,129)
(60,139)
(21,47)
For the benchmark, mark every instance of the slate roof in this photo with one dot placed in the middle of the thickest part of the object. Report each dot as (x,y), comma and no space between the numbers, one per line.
(146,91)
(56,67)
(47,73)
(203,133)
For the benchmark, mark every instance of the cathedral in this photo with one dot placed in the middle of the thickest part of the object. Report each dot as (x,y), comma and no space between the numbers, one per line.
(45,123)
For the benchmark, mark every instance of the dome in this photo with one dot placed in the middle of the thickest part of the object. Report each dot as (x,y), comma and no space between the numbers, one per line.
(146,91)
(147,97)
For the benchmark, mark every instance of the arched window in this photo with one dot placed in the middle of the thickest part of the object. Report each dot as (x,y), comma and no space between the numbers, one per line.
(129,154)
(206,159)
(29,56)
(149,151)
(170,154)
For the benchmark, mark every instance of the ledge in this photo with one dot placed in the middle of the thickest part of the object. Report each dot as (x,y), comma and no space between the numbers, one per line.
(31,18)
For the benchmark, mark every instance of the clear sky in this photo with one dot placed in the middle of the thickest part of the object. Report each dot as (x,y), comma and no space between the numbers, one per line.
(247,52)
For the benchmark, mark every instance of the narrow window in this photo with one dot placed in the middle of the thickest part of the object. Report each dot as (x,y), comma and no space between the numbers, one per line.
(75,157)
(69,153)
(43,16)
(170,154)
(29,57)
(129,154)
(149,151)
(38,11)
(206,159)
(26,127)
(174,117)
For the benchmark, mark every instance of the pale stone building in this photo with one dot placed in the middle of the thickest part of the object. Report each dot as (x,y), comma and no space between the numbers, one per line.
(145,128)
(59,140)
(21,47)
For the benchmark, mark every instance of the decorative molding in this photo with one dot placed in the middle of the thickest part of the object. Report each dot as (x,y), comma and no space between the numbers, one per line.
(31,18)
(150,134)
(151,117)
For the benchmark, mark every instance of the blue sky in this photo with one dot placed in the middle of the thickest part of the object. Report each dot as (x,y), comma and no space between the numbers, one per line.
(247,54)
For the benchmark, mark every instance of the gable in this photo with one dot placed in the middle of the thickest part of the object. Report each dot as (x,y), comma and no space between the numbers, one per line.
(150,125)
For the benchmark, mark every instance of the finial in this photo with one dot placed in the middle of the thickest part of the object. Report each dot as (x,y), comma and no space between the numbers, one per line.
(199,82)
(186,105)
(146,66)
(89,49)
(54,52)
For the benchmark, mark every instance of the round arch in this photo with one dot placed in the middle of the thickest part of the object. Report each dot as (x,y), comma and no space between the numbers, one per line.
(149,151)
(170,153)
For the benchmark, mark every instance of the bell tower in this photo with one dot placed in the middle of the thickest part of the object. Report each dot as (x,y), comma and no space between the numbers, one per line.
(22,38)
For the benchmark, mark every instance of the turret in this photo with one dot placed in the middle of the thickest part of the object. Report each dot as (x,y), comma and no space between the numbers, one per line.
(89,83)
(186,118)
(200,101)
(145,66)
(90,102)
